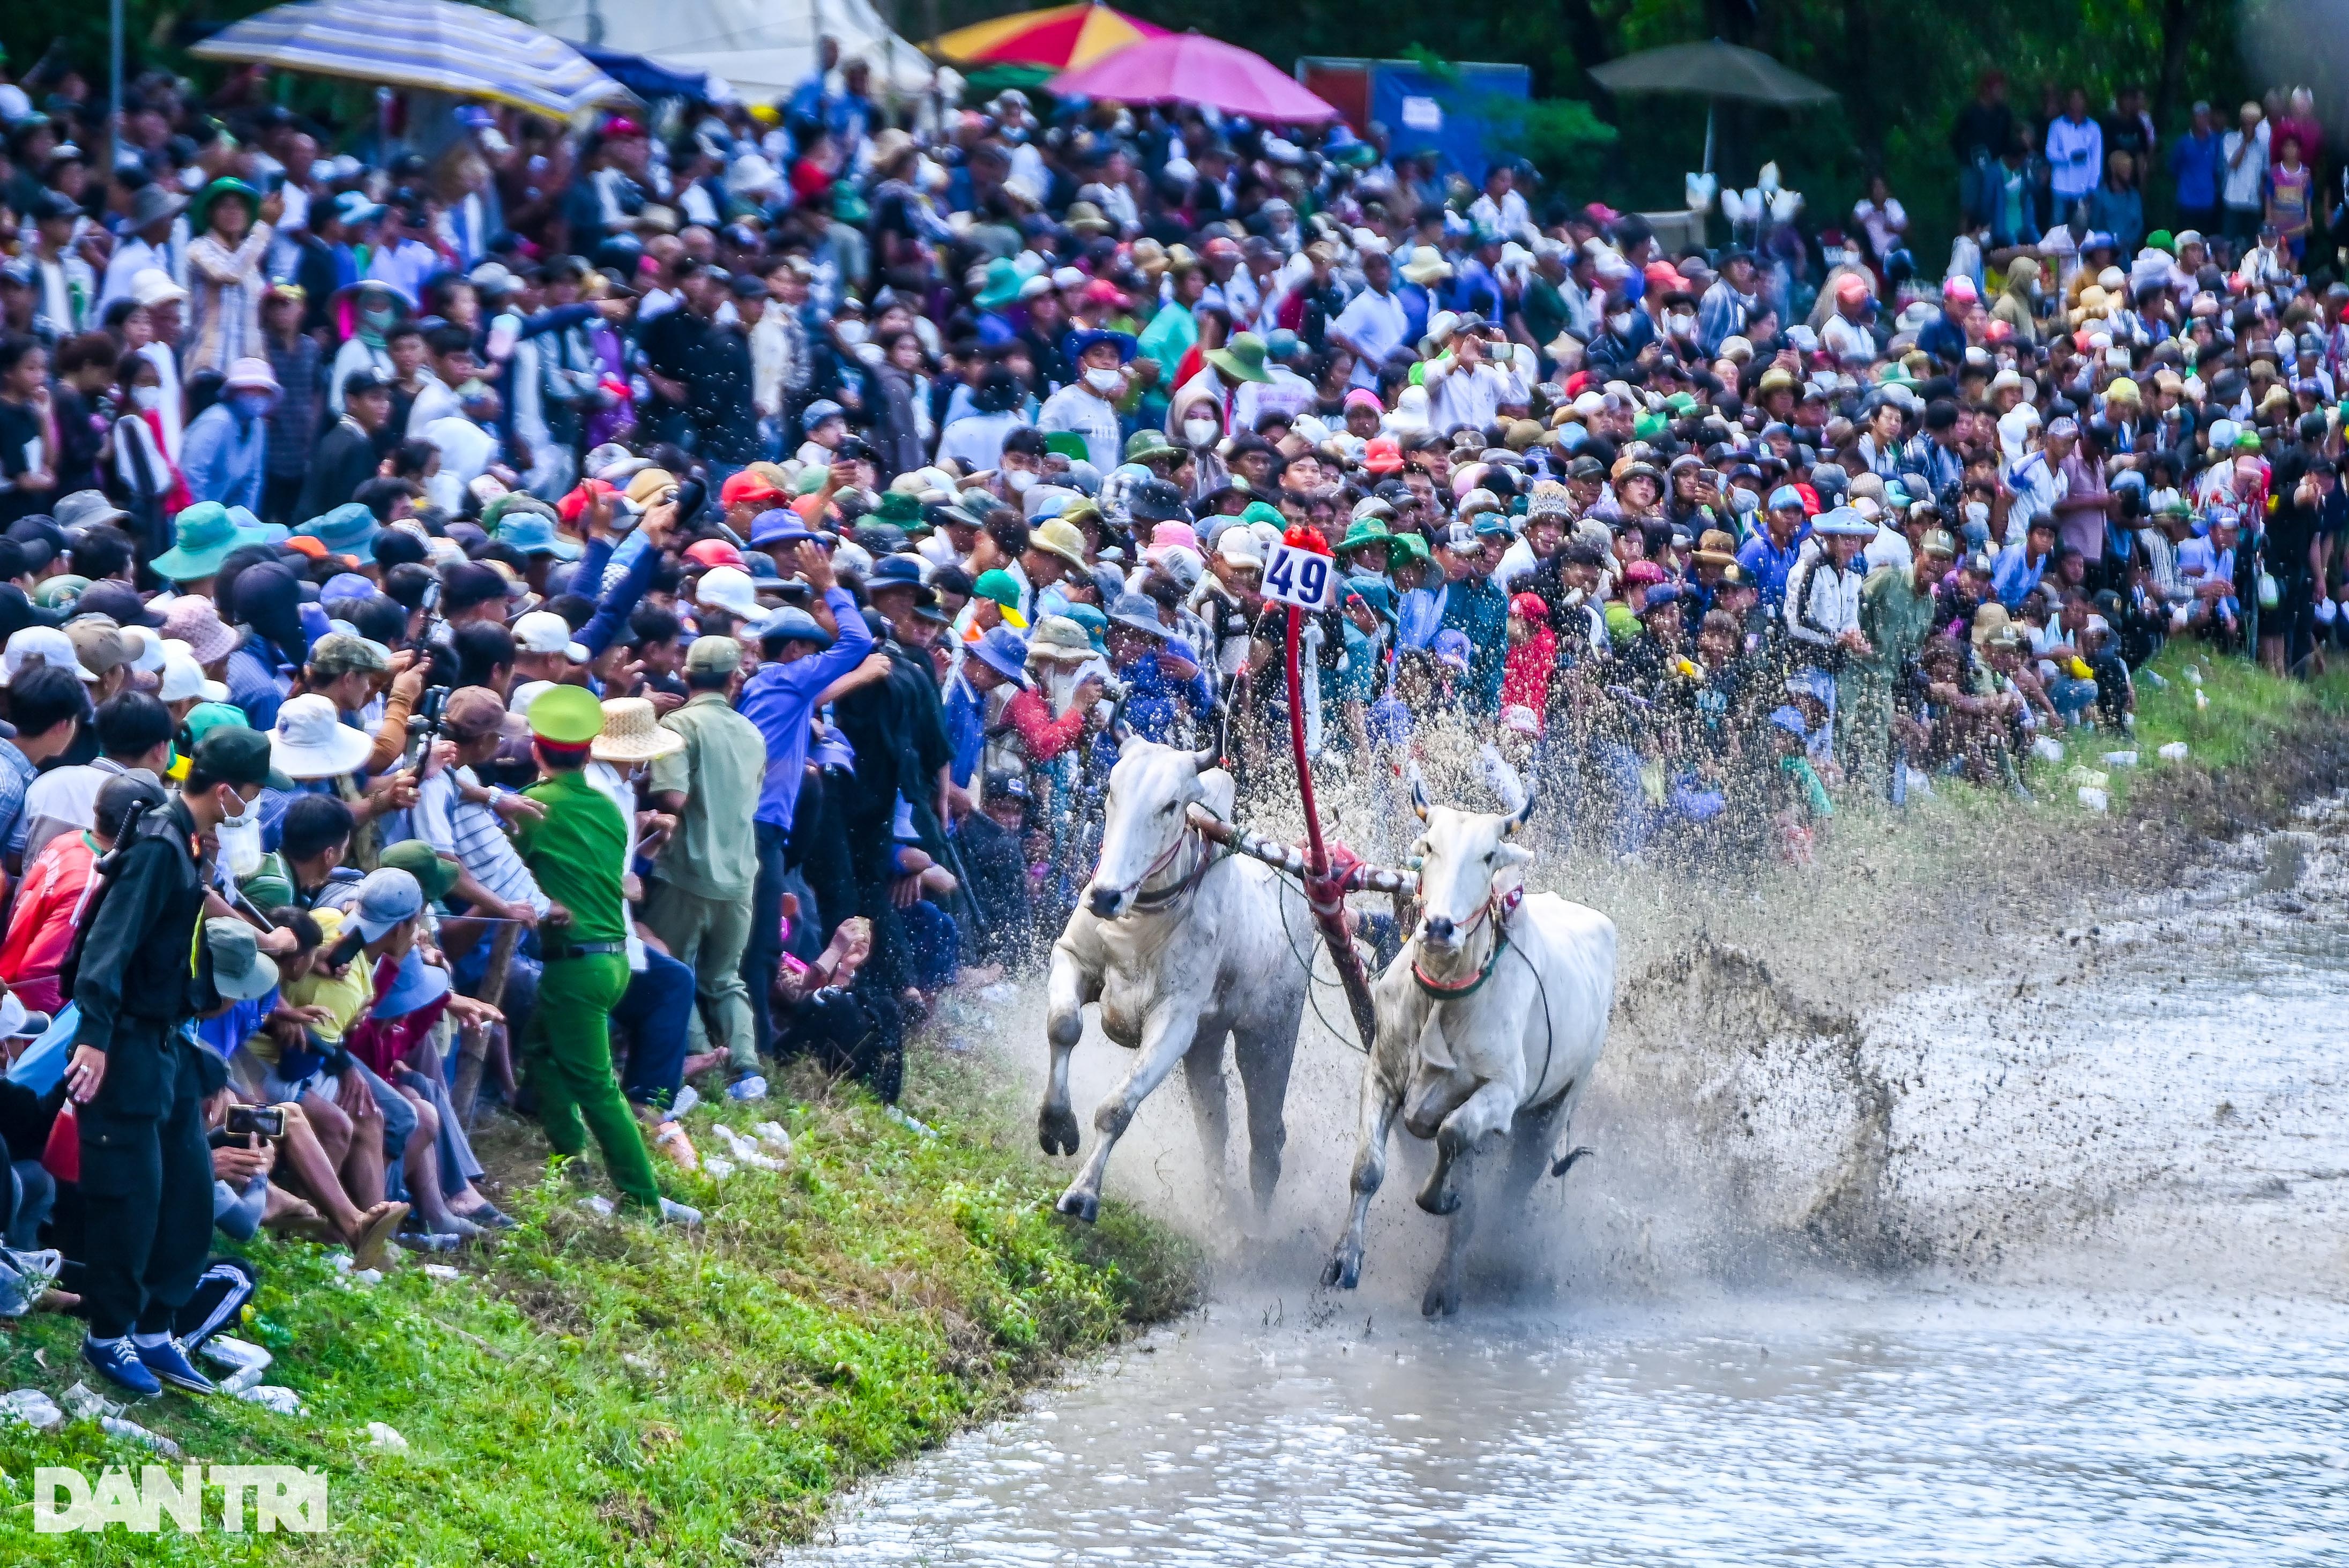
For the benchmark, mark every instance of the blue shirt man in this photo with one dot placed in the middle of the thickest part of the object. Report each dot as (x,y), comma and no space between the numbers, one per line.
(1770,554)
(781,698)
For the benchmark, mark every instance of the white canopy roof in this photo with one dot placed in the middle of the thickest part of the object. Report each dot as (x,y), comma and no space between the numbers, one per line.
(763,49)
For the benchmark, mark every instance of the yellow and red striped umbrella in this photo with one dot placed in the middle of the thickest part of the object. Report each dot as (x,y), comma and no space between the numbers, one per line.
(1062,38)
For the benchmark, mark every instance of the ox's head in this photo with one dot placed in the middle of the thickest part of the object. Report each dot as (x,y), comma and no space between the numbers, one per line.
(1461,854)
(1151,792)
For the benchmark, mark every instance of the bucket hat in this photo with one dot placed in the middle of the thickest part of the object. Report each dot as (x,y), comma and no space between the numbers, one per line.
(311,741)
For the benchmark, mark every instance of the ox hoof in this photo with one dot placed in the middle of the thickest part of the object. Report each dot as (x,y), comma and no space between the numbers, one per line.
(1443,1298)
(1438,1197)
(1344,1270)
(1056,1129)
(1085,1206)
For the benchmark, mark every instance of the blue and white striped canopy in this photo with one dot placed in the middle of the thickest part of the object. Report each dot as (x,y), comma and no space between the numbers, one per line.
(437,45)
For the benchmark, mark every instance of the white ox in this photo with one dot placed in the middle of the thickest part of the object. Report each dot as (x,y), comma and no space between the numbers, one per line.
(1490,1020)
(1182,945)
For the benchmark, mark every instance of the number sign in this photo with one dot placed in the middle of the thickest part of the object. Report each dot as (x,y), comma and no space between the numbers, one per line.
(1300,577)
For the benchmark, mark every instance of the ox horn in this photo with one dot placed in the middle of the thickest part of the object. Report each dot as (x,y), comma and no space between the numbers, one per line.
(1419,796)
(1523,814)
(1203,761)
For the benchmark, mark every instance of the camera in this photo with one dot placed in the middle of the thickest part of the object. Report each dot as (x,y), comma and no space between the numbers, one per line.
(854,450)
(267,1120)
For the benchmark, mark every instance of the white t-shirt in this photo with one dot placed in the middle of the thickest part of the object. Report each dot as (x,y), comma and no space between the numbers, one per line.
(2239,184)
(1375,323)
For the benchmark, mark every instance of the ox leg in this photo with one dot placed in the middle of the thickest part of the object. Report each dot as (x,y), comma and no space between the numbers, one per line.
(1443,1297)
(1164,1040)
(1531,1136)
(1203,1076)
(1264,1062)
(1486,1111)
(1380,1102)
(1067,991)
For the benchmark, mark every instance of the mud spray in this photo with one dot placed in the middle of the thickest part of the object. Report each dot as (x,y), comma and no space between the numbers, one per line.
(1906,1060)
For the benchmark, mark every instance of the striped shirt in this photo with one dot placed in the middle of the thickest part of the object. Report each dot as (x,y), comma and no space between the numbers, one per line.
(472,832)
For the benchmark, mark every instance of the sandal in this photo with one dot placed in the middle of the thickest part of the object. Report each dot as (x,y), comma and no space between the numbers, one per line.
(376,1228)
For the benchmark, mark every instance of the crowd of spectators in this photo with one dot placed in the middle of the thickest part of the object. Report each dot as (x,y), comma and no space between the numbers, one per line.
(584,618)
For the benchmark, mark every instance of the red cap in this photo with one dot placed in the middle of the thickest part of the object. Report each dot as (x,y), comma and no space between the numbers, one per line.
(713,551)
(1810,498)
(572,506)
(1530,606)
(1381,456)
(746,485)
(1642,572)
(1101,291)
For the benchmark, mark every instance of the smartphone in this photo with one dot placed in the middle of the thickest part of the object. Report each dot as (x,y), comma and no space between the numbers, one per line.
(267,1120)
(690,498)
(347,947)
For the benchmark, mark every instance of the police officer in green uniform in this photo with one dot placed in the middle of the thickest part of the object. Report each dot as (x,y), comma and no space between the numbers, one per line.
(578,851)
(141,1087)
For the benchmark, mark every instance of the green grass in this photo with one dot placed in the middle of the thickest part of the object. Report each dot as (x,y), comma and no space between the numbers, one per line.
(2246,716)
(599,1391)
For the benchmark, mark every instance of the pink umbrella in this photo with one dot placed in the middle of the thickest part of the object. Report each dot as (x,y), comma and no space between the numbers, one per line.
(1190,68)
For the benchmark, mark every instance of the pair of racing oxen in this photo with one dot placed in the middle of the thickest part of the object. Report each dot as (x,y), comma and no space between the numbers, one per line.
(1490,1020)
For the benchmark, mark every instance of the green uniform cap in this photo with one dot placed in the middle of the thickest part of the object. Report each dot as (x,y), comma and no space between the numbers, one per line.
(567,715)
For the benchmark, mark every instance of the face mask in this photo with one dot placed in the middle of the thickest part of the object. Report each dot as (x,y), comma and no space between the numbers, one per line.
(850,331)
(239,837)
(1621,322)
(252,405)
(1199,432)
(1104,381)
(375,321)
(1679,324)
(147,396)
(1018,480)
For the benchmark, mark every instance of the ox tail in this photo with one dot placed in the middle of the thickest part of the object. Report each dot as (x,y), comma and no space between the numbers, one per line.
(1566,1162)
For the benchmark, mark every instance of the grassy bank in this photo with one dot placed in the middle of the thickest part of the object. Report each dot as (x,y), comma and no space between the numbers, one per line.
(594,1391)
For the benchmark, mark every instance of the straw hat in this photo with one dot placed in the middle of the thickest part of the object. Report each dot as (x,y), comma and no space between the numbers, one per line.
(632,733)
(1988,620)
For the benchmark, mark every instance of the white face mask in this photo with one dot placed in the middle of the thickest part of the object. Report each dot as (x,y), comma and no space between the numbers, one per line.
(1018,479)
(1679,324)
(147,396)
(850,331)
(1199,432)
(1620,322)
(239,837)
(1104,381)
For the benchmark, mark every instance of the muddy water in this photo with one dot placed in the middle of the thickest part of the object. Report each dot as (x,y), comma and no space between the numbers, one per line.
(2048,1266)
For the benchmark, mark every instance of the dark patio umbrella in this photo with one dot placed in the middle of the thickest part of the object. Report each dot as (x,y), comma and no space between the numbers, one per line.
(1712,70)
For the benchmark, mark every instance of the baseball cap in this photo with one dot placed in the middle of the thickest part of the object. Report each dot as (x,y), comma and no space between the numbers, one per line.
(544,632)
(717,655)
(434,876)
(387,897)
(239,756)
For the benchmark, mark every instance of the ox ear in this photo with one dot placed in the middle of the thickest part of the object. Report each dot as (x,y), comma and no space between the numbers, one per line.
(1512,855)
(1523,814)
(1419,796)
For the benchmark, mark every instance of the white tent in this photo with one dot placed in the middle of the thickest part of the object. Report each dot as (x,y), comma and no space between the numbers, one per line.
(763,49)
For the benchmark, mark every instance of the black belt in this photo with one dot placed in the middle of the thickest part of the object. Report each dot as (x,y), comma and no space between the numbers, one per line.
(586,950)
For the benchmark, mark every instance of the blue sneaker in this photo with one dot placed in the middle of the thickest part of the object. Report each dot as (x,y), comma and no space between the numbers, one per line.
(169,1363)
(119,1365)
